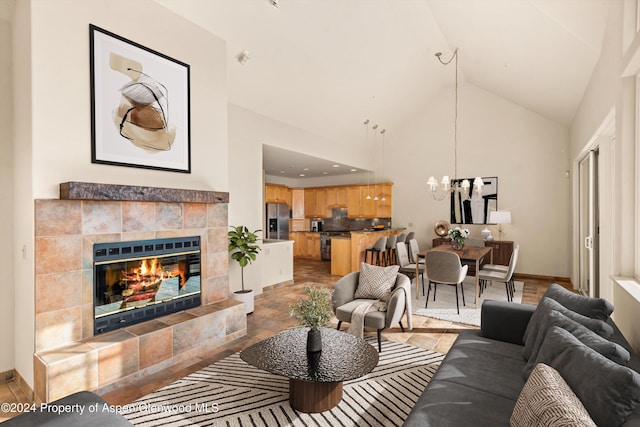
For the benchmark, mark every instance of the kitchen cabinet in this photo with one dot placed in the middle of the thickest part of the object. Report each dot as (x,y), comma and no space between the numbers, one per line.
(297,203)
(383,207)
(306,245)
(321,203)
(336,197)
(358,206)
(274,193)
(309,202)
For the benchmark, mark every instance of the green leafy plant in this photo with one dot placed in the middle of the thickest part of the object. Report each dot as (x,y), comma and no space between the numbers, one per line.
(315,310)
(243,247)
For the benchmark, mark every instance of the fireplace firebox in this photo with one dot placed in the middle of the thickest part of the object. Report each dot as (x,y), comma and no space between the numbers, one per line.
(140,280)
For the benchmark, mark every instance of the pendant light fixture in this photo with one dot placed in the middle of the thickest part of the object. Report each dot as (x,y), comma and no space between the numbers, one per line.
(382,174)
(448,186)
(373,154)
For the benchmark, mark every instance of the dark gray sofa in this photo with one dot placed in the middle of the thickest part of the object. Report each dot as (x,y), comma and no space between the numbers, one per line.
(480,379)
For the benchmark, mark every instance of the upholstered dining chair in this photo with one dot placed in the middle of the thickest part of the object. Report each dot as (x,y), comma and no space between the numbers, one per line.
(445,268)
(377,251)
(414,249)
(410,235)
(407,267)
(505,277)
(345,300)
(499,267)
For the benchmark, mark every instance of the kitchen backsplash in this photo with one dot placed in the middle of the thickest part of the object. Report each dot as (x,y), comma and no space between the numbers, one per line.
(340,221)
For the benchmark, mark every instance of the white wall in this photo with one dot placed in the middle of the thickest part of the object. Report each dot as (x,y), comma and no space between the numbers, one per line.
(528,154)
(6,181)
(610,91)
(52,141)
(248,131)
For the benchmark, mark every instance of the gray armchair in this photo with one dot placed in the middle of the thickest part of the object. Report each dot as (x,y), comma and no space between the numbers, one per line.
(344,303)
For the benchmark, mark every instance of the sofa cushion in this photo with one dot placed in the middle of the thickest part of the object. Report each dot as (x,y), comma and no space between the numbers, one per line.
(596,308)
(376,282)
(608,349)
(477,384)
(547,400)
(610,392)
(535,329)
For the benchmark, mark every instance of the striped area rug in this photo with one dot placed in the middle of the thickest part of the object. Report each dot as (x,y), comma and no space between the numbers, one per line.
(231,392)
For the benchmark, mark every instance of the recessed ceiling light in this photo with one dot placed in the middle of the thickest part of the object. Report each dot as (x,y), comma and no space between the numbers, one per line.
(354,170)
(336,166)
(325,172)
(281,171)
(306,169)
(301,174)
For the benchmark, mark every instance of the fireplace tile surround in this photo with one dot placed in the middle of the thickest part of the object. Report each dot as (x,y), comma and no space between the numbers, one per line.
(68,357)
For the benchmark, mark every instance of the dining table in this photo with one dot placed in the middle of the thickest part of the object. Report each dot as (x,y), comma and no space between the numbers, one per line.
(467,253)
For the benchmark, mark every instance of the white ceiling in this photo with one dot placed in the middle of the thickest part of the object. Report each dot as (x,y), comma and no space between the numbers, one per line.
(327,65)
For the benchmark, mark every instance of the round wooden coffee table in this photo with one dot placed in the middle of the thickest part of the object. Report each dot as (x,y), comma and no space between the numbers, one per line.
(315,379)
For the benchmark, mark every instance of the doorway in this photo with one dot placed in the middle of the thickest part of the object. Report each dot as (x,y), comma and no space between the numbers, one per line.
(589,224)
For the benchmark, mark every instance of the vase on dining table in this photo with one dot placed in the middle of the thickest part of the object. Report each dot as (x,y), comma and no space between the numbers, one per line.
(457,245)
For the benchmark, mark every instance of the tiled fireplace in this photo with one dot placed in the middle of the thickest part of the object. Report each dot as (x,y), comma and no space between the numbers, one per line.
(69,356)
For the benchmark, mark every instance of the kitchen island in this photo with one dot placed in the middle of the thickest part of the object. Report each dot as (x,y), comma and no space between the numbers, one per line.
(347,254)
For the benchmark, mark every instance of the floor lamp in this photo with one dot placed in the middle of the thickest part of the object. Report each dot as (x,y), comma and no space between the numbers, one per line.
(500,217)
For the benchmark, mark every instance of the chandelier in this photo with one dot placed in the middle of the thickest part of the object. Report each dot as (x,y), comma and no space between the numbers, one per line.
(455,185)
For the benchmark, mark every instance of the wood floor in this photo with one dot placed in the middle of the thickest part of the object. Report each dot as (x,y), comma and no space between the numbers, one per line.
(271,315)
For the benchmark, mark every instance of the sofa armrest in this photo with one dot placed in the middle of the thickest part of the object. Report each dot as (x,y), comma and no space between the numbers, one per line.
(505,321)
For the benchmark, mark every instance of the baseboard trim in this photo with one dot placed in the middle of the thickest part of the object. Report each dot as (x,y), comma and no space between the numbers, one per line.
(551,279)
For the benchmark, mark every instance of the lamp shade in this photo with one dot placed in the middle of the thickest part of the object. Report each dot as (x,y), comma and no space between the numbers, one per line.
(500,217)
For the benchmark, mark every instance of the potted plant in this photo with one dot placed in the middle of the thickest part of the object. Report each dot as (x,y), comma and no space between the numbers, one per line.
(244,249)
(313,312)
(458,236)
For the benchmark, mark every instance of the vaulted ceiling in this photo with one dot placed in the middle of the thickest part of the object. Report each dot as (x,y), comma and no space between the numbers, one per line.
(326,65)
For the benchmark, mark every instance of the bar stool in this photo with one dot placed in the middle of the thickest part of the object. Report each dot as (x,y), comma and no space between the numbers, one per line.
(391,256)
(377,251)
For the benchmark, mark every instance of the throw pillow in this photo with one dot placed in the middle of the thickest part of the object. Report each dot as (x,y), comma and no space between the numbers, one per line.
(547,400)
(596,308)
(376,282)
(610,392)
(535,329)
(608,349)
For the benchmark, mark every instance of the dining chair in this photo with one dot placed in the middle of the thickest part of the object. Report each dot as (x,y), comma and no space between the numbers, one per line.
(445,268)
(407,268)
(407,239)
(499,267)
(500,276)
(377,251)
(414,249)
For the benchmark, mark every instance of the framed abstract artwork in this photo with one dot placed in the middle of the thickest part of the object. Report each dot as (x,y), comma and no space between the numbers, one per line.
(140,106)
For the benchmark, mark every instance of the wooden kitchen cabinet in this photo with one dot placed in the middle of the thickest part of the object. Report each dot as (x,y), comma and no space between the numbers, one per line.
(309,202)
(297,203)
(383,207)
(321,203)
(354,209)
(306,245)
(274,193)
(336,197)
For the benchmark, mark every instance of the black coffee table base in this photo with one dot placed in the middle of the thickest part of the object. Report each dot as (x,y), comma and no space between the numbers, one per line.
(312,397)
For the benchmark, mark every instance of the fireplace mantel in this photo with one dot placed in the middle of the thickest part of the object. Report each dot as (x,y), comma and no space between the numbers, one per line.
(96,191)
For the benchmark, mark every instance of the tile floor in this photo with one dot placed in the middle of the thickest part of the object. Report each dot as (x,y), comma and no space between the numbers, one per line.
(271,315)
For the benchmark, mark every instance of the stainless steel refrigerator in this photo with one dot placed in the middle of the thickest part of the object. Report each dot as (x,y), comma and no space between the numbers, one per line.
(278,221)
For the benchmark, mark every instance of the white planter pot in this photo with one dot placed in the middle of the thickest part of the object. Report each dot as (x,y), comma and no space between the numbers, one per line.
(246,297)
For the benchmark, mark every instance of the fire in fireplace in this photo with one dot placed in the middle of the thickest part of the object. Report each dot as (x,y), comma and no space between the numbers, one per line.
(144,279)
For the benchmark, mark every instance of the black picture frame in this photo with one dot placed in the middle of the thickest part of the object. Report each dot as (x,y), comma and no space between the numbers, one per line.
(140,105)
